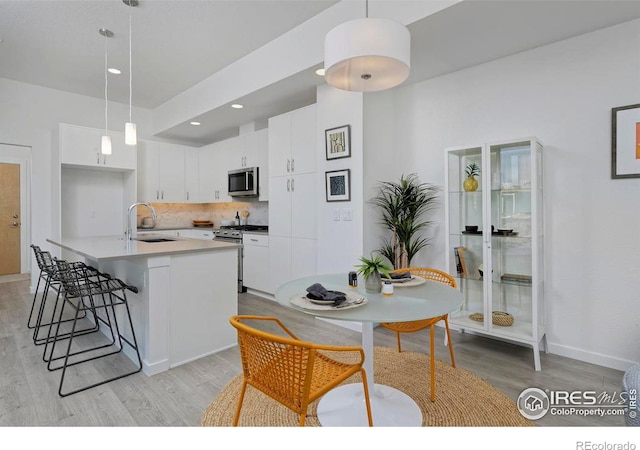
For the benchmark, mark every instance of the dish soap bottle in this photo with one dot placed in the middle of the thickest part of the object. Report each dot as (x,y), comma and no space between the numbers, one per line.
(237,219)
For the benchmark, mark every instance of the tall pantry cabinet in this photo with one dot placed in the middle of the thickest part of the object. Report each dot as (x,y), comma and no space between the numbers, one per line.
(292,194)
(495,239)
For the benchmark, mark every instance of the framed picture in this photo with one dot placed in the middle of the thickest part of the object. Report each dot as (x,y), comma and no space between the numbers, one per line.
(625,142)
(338,185)
(338,142)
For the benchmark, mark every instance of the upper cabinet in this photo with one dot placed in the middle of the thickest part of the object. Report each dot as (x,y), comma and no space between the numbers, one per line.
(167,172)
(81,146)
(216,160)
(292,149)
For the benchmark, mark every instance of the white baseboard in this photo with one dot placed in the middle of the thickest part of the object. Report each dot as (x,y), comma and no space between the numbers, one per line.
(261,294)
(589,357)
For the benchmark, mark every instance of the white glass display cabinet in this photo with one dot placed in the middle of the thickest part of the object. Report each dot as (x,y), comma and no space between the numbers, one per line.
(494,229)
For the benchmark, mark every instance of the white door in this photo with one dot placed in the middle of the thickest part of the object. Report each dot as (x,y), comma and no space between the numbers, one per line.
(280,145)
(80,145)
(279,261)
(148,189)
(280,206)
(303,206)
(171,173)
(191,175)
(303,140)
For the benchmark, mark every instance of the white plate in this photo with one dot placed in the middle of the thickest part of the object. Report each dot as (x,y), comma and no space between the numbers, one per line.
(353,301)
(415,281)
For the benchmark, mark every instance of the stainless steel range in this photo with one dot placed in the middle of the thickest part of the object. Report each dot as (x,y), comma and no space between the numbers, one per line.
(234,234)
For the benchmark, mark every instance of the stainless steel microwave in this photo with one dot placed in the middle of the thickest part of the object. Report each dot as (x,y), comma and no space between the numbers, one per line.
(244,182)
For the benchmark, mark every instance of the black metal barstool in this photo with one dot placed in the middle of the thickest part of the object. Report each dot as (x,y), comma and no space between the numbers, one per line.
(48,274)
(86,290)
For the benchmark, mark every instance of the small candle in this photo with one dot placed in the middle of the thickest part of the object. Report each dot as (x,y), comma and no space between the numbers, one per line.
(387,288)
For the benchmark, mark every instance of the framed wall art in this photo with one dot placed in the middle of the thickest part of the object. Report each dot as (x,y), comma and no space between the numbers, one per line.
(338,142)
(338,185)
(625,142)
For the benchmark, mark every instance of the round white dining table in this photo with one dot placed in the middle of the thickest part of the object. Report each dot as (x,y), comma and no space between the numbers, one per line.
(345,405)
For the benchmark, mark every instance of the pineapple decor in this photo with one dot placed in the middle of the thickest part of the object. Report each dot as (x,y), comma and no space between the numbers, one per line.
(471,184)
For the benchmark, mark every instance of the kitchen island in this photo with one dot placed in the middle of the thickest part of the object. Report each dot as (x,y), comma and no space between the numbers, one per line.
(186,292)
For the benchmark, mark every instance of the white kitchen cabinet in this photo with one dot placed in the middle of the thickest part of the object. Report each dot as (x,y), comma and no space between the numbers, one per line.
(498,267)
(256,261)
(197,234)
(168,172)
(81,146)
(256,154)
(292,142)
(191,162)
(292,188)
(290,258)
(212,173)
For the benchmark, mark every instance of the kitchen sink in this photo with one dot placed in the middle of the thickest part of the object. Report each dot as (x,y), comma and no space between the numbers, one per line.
(151,240)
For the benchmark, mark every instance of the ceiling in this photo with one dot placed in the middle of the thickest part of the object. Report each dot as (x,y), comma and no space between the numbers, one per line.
(178,43)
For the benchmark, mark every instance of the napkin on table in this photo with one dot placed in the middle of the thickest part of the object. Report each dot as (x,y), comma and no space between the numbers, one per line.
(318,292)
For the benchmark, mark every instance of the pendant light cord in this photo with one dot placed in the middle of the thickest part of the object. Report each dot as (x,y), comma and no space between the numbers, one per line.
(366,9)
(130,68)
(106,86)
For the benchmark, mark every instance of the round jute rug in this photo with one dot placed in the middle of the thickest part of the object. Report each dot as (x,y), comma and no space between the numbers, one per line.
(462,398)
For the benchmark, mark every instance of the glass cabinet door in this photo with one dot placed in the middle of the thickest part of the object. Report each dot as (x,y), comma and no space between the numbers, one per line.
(511,238)
(466,213)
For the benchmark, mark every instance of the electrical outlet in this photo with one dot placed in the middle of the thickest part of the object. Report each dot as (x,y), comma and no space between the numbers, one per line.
(336,214)
(92,214)
(347,214)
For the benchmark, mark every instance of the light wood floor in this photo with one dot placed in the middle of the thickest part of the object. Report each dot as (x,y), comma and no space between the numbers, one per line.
(178,397)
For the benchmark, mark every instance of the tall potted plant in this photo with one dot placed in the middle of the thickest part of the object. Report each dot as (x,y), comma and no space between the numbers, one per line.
(403,205)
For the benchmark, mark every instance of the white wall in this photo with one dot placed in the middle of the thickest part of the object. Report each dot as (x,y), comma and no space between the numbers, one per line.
(562,94)
(29,113)
(339,242)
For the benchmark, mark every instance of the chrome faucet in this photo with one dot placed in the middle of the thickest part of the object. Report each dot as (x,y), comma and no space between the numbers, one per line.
(129,231)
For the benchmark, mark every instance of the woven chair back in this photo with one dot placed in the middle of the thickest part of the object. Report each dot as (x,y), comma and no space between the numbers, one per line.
(278,366)
(430,274)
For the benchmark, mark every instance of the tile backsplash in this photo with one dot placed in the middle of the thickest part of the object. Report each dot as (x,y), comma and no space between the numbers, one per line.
(177,215)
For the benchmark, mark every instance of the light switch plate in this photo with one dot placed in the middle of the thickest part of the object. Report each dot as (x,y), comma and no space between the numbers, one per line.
(336,214)
(347,214)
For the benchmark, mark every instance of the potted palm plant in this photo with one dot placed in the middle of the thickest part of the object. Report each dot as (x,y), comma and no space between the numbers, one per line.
(371,270)
(402,206)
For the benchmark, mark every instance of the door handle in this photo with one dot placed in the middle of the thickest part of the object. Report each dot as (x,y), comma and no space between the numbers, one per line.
(292,188)
(16,224)
(292,165)
(288,165)
(289,185)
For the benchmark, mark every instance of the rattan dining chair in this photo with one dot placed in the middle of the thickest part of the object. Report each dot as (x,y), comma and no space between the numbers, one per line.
(289,370)
(417,325)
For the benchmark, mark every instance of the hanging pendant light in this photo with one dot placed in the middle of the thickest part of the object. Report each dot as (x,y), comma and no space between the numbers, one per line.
(106,139)
(367,55)
(130,131)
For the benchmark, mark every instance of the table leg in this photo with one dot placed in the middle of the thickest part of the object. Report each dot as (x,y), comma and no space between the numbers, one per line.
(345,405)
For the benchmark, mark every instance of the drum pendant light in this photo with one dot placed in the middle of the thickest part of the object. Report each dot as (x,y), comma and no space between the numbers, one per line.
(130,131)
(366,55)
(105,147)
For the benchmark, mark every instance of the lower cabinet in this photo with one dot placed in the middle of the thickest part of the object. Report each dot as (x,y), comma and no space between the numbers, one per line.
(255,262)
(290,258)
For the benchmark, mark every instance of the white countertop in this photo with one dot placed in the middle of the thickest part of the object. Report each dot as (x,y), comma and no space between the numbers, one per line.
(114,247)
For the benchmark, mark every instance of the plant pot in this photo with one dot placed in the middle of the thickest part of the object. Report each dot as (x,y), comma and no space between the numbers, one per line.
(470,184)
(373,284)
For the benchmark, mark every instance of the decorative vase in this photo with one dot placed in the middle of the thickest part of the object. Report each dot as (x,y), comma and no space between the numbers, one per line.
(470,184)
(373,284)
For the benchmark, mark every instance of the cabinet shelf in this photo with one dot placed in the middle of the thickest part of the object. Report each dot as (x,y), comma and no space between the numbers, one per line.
(509,197)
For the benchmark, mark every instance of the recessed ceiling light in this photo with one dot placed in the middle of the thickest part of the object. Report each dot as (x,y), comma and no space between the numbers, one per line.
(237,106)
(320,72)
(194,123)
(114,71)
